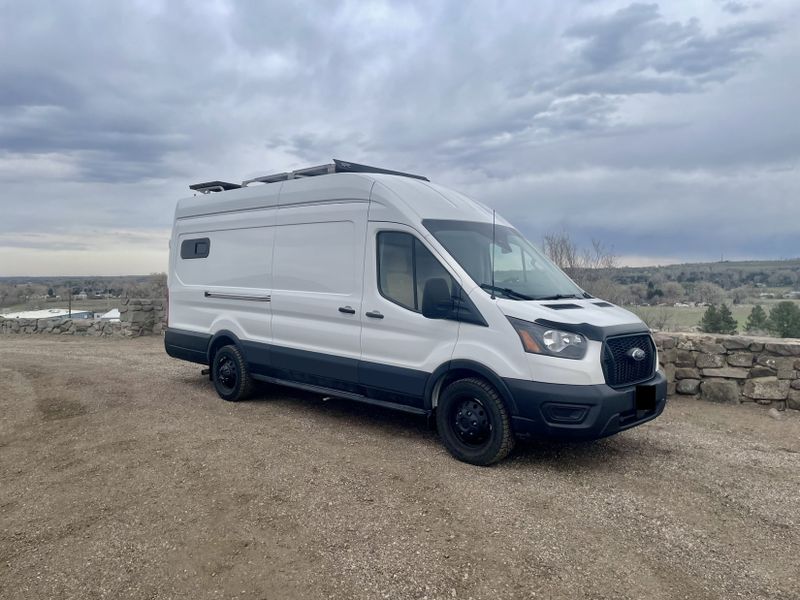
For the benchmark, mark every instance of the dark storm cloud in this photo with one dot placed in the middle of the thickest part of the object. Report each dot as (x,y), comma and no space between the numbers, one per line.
(631,50)
(557,113)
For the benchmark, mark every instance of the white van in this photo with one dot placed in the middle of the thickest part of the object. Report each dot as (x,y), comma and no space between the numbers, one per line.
(381,287)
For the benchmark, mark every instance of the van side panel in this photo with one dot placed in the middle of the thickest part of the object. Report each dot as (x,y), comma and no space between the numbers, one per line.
(229,289)
(316,298)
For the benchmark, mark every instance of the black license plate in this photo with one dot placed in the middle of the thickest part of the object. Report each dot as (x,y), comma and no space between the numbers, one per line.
(645,397)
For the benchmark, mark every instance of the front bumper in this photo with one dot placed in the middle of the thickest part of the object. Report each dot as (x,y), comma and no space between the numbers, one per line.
(583,411)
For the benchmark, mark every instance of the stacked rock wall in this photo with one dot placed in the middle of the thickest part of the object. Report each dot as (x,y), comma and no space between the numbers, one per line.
(732,369)
(142,317)
(137,317)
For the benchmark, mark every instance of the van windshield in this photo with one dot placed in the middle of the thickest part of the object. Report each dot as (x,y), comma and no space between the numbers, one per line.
(521,272)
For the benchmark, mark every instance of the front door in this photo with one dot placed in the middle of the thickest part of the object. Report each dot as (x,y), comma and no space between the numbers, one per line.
(400,348)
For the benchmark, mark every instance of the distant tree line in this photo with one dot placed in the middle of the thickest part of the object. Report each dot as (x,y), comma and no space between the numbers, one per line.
(783,320)
(41,292)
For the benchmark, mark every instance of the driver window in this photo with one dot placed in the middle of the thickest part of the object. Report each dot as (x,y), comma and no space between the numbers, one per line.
(405,265)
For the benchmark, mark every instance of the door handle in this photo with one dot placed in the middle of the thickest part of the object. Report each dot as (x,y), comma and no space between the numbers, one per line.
(348,310)
(374,314)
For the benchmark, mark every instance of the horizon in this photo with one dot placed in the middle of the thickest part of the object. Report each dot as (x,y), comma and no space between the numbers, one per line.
(619,266)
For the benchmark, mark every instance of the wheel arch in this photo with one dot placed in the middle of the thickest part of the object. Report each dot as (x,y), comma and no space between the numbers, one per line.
(220,339)
(464,369)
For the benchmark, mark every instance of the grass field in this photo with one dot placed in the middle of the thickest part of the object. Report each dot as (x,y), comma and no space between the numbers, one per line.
(683,318)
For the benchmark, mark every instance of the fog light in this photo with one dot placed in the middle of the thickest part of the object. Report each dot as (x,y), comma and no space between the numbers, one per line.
(565,413)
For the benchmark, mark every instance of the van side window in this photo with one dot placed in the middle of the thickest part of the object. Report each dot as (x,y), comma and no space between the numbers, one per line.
(196,248)
(405,265)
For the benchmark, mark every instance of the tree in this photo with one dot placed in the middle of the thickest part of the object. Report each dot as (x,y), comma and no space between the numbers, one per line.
(659,318)
(727,324)
(673,292)
(589,268)
(784,319)
(757,321)
(705,291)
(710,320)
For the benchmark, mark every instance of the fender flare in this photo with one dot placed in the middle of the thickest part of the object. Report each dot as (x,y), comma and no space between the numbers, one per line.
(478,368)
(222,333)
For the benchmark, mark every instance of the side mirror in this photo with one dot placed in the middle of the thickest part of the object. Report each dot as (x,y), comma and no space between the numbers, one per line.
(437,303)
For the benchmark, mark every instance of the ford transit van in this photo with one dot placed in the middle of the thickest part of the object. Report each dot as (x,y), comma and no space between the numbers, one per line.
(382,287)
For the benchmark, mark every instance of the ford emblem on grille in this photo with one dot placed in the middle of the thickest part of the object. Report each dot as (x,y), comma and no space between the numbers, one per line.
(637,354)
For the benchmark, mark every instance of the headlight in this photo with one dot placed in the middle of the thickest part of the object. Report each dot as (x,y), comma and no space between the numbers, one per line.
(538,339)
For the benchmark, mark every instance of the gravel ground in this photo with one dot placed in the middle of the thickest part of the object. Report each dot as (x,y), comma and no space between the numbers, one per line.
(123,475)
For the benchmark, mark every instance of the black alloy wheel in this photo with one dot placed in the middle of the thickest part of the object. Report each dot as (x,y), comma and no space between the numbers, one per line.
(473,422)
(230,374)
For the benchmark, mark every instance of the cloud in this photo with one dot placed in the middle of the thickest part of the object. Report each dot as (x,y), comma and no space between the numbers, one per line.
(108,112)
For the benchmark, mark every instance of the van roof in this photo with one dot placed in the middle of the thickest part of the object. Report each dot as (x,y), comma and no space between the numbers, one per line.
(402,197)
(337,166)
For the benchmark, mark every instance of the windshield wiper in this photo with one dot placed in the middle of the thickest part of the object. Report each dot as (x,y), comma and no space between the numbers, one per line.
(507,291)
(557,297)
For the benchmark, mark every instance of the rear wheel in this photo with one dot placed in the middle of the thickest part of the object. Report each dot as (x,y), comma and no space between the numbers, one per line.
(230,374)
(473,422)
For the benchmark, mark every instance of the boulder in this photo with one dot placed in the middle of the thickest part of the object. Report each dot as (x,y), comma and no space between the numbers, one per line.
(793,400)
(710,361)
(664,341)
(668,356)
(686,373)
(766,388)
(684,358)
(726,372)
(140,317)
(776,363)
(795,385)
(720,391)
(740,359)
(735,343)
(783,349)
(759,371)
(756,347)
(774,413)
(709,347)
(688,386)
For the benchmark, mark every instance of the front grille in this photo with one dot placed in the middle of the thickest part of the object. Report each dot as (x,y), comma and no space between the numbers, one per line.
(620,368)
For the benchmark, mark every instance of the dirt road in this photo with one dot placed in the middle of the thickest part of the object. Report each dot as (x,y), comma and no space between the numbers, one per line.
(123,475)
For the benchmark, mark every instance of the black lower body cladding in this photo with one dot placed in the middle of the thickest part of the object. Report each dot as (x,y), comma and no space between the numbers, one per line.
(537,409)
(584,411)
(187,345)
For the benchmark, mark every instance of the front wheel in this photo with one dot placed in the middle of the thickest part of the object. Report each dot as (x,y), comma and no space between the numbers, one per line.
(230,374)
(473,422)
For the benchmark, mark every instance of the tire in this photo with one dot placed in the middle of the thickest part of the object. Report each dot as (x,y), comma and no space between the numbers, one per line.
(230,374)
(473,422)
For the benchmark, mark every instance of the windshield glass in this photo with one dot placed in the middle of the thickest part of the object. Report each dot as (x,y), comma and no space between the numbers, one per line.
(521,272)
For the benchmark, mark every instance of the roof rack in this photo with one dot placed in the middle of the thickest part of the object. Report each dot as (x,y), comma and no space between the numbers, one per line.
(214,186)
(338,166)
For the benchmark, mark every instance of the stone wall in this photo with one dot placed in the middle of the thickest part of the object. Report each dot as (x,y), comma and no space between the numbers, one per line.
(732,369)
(142,317)
(137,317)
(718,368)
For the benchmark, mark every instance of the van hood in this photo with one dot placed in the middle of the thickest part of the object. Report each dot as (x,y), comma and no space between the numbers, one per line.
(573,311)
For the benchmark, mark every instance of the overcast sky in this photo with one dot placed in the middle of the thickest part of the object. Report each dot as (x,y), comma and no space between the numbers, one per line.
(669,131)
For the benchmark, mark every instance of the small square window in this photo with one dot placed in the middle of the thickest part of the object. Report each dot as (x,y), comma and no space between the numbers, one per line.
(196,248)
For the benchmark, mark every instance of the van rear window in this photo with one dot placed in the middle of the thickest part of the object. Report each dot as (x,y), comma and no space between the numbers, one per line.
(196,248)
